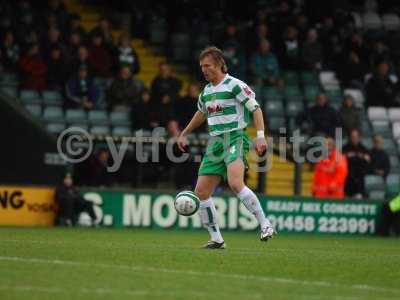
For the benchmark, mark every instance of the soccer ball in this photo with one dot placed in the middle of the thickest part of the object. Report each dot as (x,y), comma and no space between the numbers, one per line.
(186,203)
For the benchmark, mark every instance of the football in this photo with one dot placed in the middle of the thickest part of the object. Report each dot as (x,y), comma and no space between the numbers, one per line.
(186,203)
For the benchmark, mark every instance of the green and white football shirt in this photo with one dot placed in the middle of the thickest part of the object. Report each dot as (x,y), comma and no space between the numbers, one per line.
(224,105)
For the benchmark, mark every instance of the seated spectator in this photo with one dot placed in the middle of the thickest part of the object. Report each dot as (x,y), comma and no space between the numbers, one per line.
(350,115)
(75,26)
(380,162)
(105,31)
(358,159)
(100,58)
(52,40)
(322,118)
(290,49)
(57,70)
(81,91)
(123,92)
(380,52)
(265,67)
(82,60)
(72,47)
(256,36)
(71,204)
(330,173)
(381,89)
(187,106)
(142,113)
(9,52)
(165,85)
(127,55)
(235,60)
(33,69)
(97,169)
(311,53)
(352,71)
(230,36)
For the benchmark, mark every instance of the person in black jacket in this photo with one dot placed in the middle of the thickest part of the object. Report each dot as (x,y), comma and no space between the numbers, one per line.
(358,159)
(165,85)
(380,162)
(323,118)
(381,89)
(71,203)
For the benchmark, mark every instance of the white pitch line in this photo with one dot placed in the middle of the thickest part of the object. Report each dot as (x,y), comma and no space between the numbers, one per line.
(362,287)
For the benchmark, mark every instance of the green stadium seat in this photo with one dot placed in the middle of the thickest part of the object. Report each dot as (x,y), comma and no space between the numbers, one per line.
(394,164)
(121,131)
(98,117)
(290,78)
(52,98)
(311,92)
(201,41)
(274,108)
(309,78)
(275,123)
(55,128)
(82,126)
(374,183)
(181,54)
(34,109)
(120,118)
(10,91)
(270,93)
(9,79)
(382,128)
(53,113)
(293,108)
(390,147)
(293,93)
(335,95)
(158,34)
(100,130)
(76,116)
(376,195)
(30,97)
(392,185)
(143,133)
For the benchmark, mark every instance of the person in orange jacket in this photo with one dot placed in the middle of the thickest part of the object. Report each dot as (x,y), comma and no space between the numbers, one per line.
(330,173)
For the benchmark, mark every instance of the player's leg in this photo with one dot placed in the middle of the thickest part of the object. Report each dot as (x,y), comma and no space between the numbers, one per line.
(205,187)
(250,200)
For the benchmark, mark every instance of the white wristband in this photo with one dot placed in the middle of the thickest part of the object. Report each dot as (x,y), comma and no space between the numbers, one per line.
(260,134)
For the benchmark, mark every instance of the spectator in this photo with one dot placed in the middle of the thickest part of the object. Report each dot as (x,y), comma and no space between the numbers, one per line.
(330,173)
(33,69)
(142,112)
(165,85)
(235,60)
(256,37)
(82,60)
(265,66)
(53,40)
(312,51)
(57,71)
(290,52)
(127,55)
(76,27)
(322,117)
(381,89)
(100,58)
(350,115)
(105,31)
(230,37)
(71,204)
(380,162)
(358,158)
(187,106)
(390,218)
(123,92)
(97,169)
(358,46)
(57,9)
(72,47)
(352,71)
(81,91)
(380,52)
(10,52)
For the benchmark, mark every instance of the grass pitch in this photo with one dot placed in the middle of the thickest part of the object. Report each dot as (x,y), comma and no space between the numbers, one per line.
(161,264)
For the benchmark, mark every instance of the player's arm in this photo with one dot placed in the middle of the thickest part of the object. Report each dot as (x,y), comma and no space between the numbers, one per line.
(248,98)
(197,119)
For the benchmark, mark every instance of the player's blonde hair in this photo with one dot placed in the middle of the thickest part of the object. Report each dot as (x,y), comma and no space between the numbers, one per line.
(217,55)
